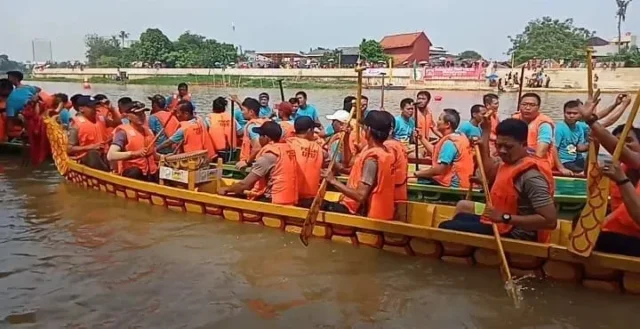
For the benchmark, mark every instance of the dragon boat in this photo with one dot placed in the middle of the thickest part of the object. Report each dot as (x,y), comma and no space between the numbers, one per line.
(189,184)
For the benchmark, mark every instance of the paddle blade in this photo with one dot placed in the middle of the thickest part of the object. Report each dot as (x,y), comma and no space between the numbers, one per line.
(585,234)
(312,215)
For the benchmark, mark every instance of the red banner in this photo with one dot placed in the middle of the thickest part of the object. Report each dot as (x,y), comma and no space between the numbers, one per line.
(454,73)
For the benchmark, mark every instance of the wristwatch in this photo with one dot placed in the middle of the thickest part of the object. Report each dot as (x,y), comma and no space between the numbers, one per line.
(506,218)
(591,120)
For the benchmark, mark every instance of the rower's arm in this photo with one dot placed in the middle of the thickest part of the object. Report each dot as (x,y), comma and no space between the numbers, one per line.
(533,184)
(490,167)
(115,119)
(176,138)
(115,154)
(359,194)
(631,201)
(609,142)
(436,132)
(436,170)
(609,119)
(246,184)
(255,149)
(545,135)
(607,110)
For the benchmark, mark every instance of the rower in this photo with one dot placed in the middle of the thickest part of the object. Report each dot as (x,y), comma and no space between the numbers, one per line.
(347,104)
(471,128)
(86,135)
(273,176)
(310,158)
(522,189)
(132,148)
(425,122)
(123,101)
(161,117)
(17,100)
(339,120)
(453,157)
(400,162)
(621,229)
(62,109)
(265,111)
(364,106)
(182,95)
(370,188)
(405,125)
(250,140)
(192,134)
(111,115)
(540,127)
(305,109)
(492,104)
(295,104)
(220,125)
(285,121)
(571,141)
(6,87)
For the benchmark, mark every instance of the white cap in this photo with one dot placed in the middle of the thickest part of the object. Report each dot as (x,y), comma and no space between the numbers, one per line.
(340,115)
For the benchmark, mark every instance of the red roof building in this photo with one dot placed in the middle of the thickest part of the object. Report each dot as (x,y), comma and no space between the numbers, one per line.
(406,48)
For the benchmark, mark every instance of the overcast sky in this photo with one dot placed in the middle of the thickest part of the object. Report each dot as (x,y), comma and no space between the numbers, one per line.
(457,25)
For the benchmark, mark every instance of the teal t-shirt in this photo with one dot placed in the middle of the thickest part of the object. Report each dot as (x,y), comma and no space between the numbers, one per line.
(448,154)
(404,128)
(265,112)
(468,129)
(309,111)
(567,140)
(237,114)
(18,98)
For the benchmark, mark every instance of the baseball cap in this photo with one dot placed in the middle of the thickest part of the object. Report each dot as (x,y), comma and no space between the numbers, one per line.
(133,107)
(270,129)
(86,100)
(377,120)
(339,115)
(136,110)
(304,123)
(158,99)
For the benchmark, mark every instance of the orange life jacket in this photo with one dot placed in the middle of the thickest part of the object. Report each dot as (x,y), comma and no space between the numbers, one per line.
(89,133)
(245,149)
(620,221)
(505,196)
(176,99)
(309,157)
(462,165)
(288,131)
(379,204)
(103,110)
(614,192)
(425,123)
(532,137)
(400,169)
(196,137)
(221,129)
(172,126)
(136,141)
(283,176)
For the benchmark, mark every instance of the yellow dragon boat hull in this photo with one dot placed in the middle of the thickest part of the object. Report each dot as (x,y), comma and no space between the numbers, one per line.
(414,234)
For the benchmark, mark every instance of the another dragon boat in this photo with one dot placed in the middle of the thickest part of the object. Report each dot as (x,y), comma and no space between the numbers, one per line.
(190,185)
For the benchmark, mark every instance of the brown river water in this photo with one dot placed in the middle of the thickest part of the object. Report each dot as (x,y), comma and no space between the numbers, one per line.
(73,258)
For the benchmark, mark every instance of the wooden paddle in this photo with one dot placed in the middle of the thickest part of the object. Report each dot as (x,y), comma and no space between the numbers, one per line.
(511,287)
(219,169)
(417,143)
(521,84)
(312,215)
(382,74)
(359,70)
(585,234)
(281,90)
(232,145)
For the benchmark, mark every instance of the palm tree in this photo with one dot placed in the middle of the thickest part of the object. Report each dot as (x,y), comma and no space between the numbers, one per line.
(622,15)
(123,35)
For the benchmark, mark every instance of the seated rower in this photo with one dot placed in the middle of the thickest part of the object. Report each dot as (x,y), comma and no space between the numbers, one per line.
(108,112)
(285,121)
(522,188)
(62,109)
(192,134)
(621,228)
(182,95)
(265,111)
(16,102)
(400,163)
(310,158)
(338,126)
(87,143)
(452,154)
(222,127)
(540,127)
(492,104)
(471,128)
(571,141)
(370,189)
(6,87)
(133,148)
(273,176)
(405,125)
(250,141)
(160,117)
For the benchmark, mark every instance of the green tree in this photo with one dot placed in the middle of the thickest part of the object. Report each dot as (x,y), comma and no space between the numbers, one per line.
(470,54)
(372,51)
(123,36)
(621,13)
(98,46)
(548,38)
(330,57)
(8,65)
(154,46)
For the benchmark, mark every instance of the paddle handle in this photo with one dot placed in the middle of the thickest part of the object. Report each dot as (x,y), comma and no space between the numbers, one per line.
(417,143)
(627,127)
(164,127)
(281,90)
(359,70)
(520,86)
(589,72)
(496,233)
(232,143)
